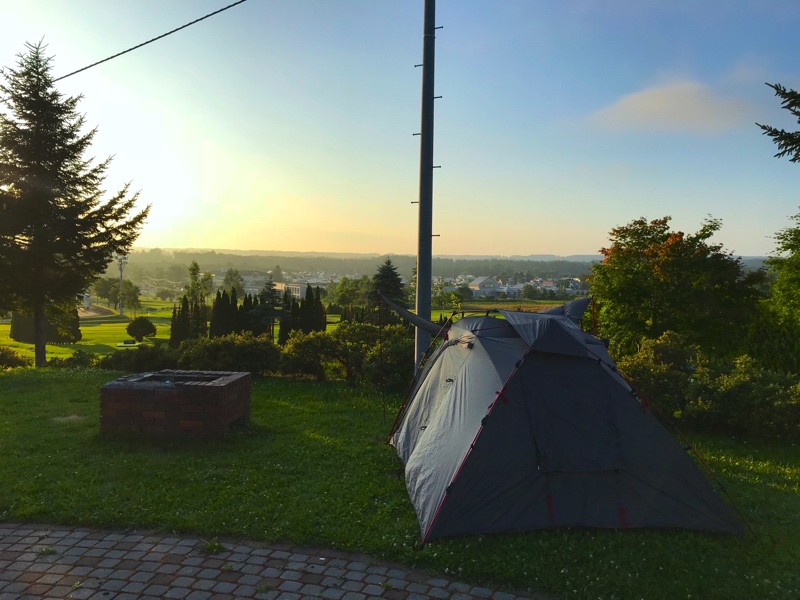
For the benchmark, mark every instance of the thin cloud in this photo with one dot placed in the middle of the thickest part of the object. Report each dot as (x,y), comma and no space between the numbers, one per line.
(685,106)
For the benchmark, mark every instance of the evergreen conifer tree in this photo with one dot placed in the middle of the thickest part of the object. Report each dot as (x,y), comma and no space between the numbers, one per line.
(320,316)
(296,322)
(184,322)
(181,327)
(307,312)
(244,313)
(788,142)
(215,327)
(57,234)
(173,328)
(285,326)
(233,313)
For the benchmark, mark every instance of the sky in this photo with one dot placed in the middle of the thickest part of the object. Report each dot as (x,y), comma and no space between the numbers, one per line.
(288,124)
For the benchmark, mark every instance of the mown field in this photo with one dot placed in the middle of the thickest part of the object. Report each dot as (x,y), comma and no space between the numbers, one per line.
(313,469)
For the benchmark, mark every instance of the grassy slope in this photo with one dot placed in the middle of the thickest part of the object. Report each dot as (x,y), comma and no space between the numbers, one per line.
(313,470)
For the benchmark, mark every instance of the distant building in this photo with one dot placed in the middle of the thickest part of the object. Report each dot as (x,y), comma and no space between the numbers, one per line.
(485,286)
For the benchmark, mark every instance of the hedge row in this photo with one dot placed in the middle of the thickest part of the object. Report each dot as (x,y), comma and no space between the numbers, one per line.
(359,353)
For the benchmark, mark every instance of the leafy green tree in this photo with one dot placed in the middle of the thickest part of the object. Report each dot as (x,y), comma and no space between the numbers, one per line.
(277,274)
(130,295)
(786,264)
(200,285)
(233,281)
(176,274)
(165,294)
(788,142)
(57,233)
(439,297)
(411,291)
(464,292)
(140,328)
(652,280)
(529,292)
(104,288)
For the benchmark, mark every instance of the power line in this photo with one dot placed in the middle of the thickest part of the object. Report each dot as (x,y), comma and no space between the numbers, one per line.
(163,35)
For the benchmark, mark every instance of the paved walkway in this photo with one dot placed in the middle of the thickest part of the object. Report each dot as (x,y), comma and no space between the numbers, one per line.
(49,561)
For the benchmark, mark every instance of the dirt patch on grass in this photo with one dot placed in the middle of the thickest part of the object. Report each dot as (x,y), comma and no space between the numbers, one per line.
(94,311)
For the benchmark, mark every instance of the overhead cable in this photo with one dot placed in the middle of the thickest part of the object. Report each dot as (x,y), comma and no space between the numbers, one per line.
(163,35)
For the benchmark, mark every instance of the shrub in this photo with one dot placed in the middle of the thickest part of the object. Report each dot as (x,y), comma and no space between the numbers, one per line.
(748,401)
(774,341)
(663,370)
(739,397)
(79,360)
(140,328)
(10,359)
(360,352)
(143,358)
(389,363)
(234,352)
(307,353)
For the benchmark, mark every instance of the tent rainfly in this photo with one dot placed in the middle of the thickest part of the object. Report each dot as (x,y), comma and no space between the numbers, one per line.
(523,423)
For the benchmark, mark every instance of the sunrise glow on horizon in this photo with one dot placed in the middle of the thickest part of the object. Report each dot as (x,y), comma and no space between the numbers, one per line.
(288,126)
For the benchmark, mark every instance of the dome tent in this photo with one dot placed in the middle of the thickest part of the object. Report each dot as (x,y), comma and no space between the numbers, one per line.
(523,423)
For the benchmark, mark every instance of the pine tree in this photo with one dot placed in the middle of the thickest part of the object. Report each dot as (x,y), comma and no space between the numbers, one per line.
(307,322)
(216,325)
(269,301)
(320,316)
(296,323)
(180,326)
(388,282)
(233,314)
(173,328)
(244,314)
(285,327)
(788,142)
(57,234)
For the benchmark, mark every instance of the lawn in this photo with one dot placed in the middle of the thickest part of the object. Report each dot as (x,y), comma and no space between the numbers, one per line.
(313,469)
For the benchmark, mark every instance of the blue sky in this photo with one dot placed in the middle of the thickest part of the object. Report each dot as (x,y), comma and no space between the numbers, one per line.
(287,125)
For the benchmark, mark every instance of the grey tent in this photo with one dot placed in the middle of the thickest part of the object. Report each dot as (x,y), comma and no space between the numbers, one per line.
(523,423)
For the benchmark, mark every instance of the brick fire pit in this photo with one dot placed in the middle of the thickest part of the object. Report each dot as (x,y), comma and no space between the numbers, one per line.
(170,403)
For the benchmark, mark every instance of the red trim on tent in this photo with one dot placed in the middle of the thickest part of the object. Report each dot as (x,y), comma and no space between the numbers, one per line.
(623,517)
(464,460)
(551,513)
(649,404)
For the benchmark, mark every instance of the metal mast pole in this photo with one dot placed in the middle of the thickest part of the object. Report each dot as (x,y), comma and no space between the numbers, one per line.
(424,246)
(123,260)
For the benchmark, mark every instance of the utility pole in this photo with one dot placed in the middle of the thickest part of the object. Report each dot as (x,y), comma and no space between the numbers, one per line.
(424,243)
(123,260)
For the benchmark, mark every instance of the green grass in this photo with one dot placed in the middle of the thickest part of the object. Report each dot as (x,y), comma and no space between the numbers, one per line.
(101,334)
(313,469)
